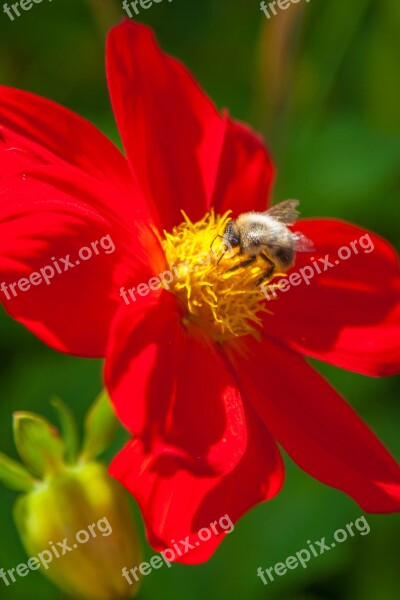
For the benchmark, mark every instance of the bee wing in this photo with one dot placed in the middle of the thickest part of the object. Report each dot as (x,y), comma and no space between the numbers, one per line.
(284,212)
(302,243)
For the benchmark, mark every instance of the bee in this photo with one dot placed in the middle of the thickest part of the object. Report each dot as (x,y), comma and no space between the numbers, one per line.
(266,235)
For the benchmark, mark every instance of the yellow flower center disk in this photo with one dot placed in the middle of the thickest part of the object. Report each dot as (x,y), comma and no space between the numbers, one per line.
(227,304)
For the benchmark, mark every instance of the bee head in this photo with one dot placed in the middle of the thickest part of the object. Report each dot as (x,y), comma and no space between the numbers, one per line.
(231,235)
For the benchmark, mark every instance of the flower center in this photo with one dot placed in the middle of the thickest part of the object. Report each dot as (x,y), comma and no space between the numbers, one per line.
(226,303)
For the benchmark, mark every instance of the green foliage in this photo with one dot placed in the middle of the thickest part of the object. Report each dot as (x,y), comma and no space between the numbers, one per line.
(14,475)
(69,429)
(101,426)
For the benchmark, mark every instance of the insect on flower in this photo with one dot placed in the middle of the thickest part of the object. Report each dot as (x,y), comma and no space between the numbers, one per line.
(206,379)
(266,235)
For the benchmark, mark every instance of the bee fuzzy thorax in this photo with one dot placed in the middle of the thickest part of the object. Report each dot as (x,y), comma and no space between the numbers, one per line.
(218,295)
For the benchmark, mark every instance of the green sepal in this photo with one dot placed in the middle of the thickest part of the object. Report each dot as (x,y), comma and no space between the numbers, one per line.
(14,475)
(38,443)
(101,426)
(69,429)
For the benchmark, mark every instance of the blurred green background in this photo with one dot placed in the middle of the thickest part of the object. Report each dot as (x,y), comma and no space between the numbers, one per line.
(322,82)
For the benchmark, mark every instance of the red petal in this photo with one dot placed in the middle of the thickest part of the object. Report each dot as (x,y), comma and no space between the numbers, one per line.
(176,503)
(318,429)
(64,186)
(35,131)
(171,131)
(155,372)
(350,314)
(55,211)
(246,172)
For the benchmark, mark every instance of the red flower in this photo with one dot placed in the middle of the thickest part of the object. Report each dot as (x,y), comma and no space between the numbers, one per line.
(205,379)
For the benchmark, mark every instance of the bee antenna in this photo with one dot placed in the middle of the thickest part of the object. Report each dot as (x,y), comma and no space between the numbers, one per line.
(212,243)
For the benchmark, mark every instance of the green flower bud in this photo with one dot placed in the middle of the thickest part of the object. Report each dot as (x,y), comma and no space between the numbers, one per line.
(81,515)
(74,520)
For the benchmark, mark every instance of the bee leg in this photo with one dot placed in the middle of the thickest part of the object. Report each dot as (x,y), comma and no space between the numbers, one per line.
(244,263)
(268,274)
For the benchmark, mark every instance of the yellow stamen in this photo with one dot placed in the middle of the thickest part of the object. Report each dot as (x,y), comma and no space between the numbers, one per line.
(227,304)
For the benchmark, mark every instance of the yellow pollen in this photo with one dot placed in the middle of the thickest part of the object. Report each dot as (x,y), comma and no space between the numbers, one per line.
(227,304)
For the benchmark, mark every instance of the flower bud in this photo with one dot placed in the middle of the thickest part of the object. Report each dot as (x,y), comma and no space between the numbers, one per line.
(74,520)
(79,525)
